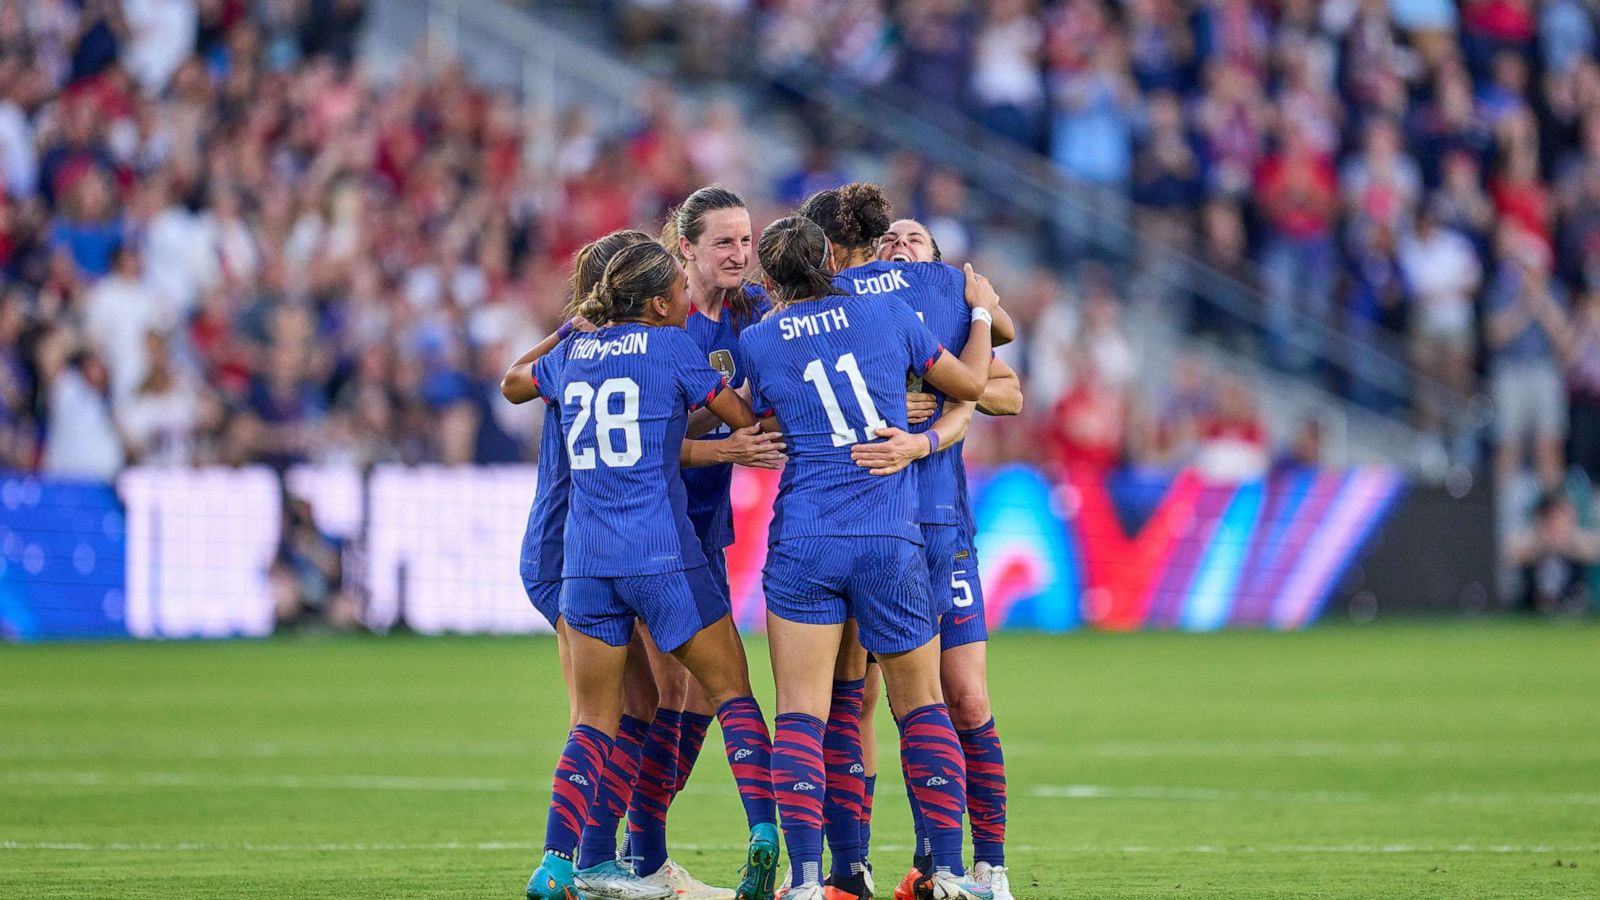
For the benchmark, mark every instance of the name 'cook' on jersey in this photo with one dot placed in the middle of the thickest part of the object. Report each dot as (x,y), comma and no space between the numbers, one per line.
(833,370)
(710,502)
(625,392)
(936,292)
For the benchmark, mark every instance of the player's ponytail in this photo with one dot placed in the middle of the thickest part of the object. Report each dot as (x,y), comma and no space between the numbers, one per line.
(633,276)
(794,253)
(589,264)
(853,216)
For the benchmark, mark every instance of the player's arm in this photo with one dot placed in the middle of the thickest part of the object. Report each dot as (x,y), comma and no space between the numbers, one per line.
(753,447)
(1002,396)
(517,385)
(1005,330)
(899,449)
(964,378)
(733,409)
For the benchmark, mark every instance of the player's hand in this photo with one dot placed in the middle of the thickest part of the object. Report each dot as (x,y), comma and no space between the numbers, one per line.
(755,448)
(980,293)
(897,450)
(920,407)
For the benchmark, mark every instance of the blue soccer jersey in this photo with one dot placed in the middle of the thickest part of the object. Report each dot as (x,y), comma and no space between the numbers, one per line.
(625,392)
(710,506)
(541,543)
(937,293)
(833,370)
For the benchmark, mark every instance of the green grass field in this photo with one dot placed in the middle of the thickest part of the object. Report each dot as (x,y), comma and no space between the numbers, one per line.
(1449,760)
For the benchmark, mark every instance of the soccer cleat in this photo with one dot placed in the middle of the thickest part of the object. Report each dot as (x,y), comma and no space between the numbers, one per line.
(808,891)
(854,887)
(553,880)
(907,888)
(995,877)
(611,880)
(685,886)
(787,885)
(944,886)
(760,864)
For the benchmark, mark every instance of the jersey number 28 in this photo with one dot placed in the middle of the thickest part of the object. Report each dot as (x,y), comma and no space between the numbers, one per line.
(843,434)
(597,404)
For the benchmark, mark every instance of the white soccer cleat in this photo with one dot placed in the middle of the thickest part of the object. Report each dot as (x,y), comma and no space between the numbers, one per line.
(808,891)
(944,886)
(786,885)
(996,878)
(613,881)
(685,886)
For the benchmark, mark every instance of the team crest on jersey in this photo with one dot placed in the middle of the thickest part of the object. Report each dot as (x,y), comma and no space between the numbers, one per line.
(722,361)
(963,554)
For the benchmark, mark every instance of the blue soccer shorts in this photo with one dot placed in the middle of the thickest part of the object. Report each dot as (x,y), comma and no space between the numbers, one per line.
(545,597)
(675,606)
(956,589)
(717,563)
(880,581)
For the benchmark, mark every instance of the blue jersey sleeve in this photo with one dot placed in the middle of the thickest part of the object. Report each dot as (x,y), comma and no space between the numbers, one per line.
(920,344)
(547,374)
(698,382)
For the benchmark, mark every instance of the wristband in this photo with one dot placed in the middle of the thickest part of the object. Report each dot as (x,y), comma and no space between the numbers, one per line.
(979,314)
(933,442)
(566,328)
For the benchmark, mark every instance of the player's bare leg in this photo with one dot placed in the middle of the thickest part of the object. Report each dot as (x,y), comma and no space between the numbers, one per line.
(966,684)
(564,654)
(934,765)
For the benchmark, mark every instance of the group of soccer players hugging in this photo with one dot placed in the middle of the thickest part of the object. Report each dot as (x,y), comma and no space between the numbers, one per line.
(855,366)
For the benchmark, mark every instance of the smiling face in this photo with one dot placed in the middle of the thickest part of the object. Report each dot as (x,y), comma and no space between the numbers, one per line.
(721,254)
(906,241)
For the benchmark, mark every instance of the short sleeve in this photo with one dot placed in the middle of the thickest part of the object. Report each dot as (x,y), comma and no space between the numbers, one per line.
(921,346)
(752,378)
(547,374)
(696,380)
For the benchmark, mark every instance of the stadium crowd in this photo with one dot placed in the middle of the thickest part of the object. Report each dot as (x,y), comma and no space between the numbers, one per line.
(220,242)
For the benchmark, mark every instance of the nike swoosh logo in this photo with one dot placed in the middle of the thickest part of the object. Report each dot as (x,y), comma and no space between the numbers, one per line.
(962,620)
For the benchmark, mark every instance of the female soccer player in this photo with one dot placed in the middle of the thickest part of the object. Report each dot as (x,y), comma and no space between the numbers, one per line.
(600,874)
(855,217)
(832,369)
(625,390)
(963,631)
(710,235)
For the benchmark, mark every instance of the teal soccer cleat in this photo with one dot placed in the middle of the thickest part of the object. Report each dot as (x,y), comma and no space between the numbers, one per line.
(553,880)
(760,864)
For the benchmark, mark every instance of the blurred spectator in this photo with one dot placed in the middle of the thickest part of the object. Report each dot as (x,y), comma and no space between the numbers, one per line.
(307,574)
(160,416)
(120,311)
(1232,442)
(1006,80)
(1526,326)
(1298,192)
(81,440)
(1583,387)
(1552,555)
(1441,270)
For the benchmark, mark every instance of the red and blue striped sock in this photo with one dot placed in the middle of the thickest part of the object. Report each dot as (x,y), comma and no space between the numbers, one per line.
(573,787)
(691,737)
(841,753)
(652,792)
(866,816)
(798,783)
(611,798)
(921,850)
(938,774)
(986,792)
(749,748)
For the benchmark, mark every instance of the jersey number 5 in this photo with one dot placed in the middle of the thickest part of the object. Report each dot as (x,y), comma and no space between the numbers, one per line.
(843,434)
(598,405)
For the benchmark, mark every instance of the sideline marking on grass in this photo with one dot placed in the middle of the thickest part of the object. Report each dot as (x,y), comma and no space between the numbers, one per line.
(521,846)
(1206,794)
(1338,749)
(290,782)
